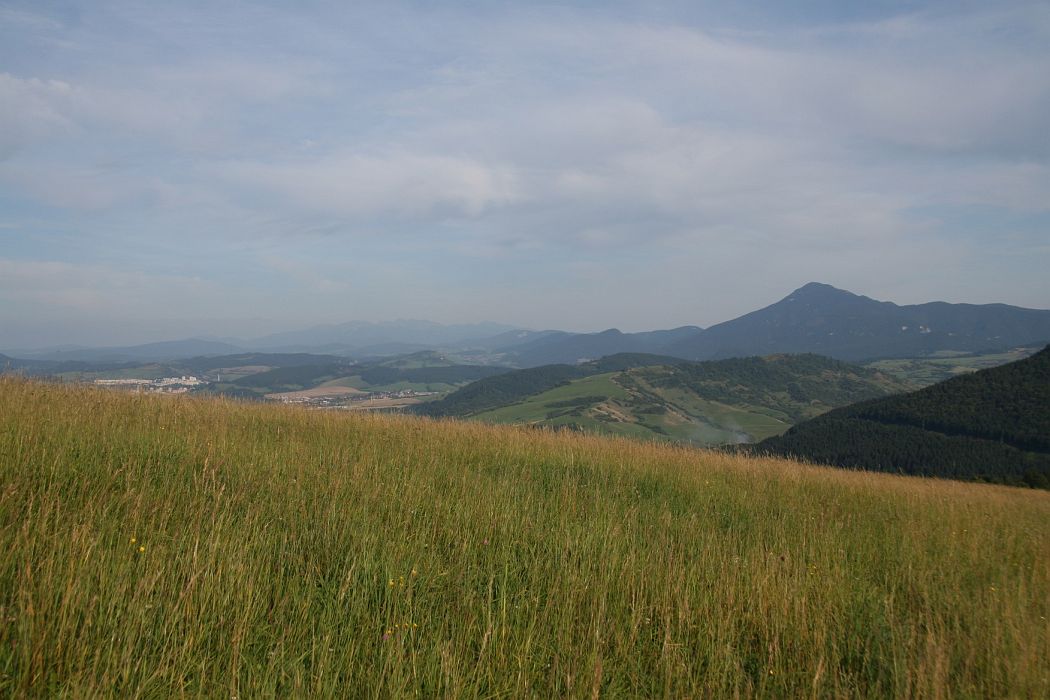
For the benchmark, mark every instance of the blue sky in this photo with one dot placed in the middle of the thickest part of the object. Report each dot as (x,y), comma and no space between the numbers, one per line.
(232,168)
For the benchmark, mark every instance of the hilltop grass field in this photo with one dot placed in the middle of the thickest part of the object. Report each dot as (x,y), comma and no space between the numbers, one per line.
(170,547)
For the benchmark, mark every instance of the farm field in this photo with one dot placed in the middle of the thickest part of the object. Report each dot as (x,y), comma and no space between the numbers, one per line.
(168,546)
(930,370)
(325,390)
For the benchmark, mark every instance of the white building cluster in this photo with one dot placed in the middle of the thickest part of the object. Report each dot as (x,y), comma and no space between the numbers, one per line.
(165,385)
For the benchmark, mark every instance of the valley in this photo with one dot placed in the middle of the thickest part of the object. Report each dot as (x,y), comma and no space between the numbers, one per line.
(642,385)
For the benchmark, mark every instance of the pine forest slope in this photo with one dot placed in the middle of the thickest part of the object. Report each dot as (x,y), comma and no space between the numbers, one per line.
(992,425)
(156,546)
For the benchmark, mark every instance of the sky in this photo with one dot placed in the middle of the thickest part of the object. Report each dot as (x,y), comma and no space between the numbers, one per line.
(170,169)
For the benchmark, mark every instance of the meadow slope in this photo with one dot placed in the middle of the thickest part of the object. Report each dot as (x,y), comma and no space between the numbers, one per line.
(156,546)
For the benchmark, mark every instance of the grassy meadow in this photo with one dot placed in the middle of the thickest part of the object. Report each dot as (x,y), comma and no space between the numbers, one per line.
(168,547)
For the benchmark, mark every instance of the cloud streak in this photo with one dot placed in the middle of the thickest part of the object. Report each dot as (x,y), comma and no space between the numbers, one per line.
(397,183)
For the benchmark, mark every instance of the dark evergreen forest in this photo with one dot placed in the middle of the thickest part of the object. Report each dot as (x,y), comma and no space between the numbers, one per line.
(992,425)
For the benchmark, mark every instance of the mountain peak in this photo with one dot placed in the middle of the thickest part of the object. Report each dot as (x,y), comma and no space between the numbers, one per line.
(818,288)
(822,294)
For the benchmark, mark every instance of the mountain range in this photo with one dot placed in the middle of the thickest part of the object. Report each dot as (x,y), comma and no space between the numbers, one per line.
(821,319)
(352,339)
(147,352)
(816,318)
(361,337)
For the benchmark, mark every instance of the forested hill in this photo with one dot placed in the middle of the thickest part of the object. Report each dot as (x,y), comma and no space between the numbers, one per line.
(508,388)
(993,425)
(655,397)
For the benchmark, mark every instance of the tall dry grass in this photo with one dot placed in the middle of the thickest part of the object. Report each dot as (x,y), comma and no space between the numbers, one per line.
(176,547)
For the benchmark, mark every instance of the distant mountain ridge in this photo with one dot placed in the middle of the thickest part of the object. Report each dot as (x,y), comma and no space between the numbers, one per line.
(10,362)
(357,335)
(992,425)
(356,338)
(821,319)
(147,352)
(573,348)
(815,318)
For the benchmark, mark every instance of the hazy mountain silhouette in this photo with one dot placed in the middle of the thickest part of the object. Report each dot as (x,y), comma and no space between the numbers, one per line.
(819,318)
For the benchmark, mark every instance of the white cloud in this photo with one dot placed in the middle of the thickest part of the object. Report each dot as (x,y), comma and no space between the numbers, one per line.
(396,183)
(945,85)
(31,110)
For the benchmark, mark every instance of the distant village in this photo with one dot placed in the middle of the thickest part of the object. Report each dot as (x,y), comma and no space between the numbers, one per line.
(312,398)
(363,401)
(165,385)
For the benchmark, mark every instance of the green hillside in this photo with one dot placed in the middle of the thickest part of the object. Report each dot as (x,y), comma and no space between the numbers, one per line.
(503,390)
(992,425)
(170,547)
(727,401)
(512,387)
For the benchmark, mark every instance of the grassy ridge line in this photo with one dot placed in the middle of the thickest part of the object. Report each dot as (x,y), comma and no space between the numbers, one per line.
(287,552)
